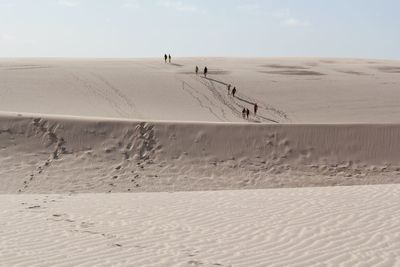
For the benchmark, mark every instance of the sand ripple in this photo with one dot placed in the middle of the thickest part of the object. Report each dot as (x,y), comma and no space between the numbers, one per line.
(343,226)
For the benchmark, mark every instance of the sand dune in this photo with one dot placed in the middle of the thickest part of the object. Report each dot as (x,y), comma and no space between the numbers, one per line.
(337,226)
(42,154)
(85,128)
(287,90)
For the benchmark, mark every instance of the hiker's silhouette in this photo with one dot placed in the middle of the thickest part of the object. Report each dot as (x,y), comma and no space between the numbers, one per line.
(234,91)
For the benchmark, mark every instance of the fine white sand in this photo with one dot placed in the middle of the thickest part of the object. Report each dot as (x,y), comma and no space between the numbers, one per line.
(72,131)
(337,226)
(40,154)
(287,90)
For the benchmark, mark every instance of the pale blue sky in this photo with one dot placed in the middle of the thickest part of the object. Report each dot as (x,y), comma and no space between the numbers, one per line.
(150,28)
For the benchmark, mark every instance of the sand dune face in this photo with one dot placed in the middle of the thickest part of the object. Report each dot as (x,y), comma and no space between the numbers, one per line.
(342,226)
(287,90)
(62,155)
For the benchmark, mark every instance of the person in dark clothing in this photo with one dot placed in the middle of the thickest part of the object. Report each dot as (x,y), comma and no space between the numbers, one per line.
(247,113)
(255,109)
(234,91)
(197,70)
(165,58)
(244,113)
(205,71)
(169,57)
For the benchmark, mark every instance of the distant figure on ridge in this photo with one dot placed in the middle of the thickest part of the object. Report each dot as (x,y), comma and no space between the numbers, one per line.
(247,113)
(169,57)
(244,113)
(197,70)
(205,71)
(229,89)
(234,91)
(255,109)
(165,58)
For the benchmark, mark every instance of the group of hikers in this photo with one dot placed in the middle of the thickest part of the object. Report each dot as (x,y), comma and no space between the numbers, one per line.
(205,71)
(167,58)
(234,90)
(245,111)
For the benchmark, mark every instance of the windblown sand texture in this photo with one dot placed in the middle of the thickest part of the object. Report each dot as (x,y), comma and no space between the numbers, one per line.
(287,90)
(130,162)
(336,226)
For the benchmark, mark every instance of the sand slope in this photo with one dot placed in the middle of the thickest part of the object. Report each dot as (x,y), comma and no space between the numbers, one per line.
(40,154)
(341,226)
(287,90)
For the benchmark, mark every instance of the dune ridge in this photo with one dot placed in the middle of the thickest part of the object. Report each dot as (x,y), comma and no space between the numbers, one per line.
(44,154)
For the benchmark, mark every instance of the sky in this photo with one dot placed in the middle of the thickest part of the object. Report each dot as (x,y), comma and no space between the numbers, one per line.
(184,28)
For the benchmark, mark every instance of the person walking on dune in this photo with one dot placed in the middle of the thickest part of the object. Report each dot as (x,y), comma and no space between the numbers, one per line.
(169,57)
(197,70)
(205,71)
(247,113)
(229,89)
(234,91)
(244,113)
(165,58)
(255,109)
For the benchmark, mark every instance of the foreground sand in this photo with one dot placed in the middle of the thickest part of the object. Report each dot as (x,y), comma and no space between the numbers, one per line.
(337,226)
